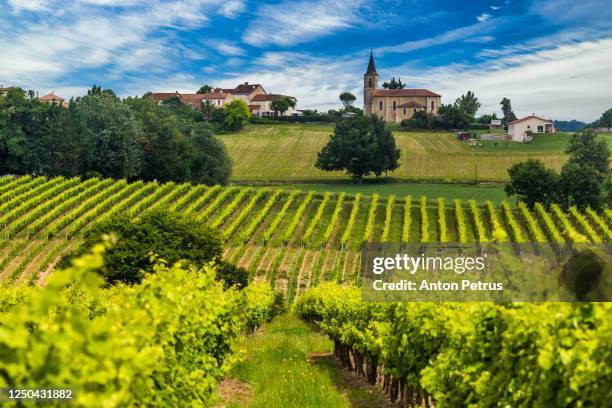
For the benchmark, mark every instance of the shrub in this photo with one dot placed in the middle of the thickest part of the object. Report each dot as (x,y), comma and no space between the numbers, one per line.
(167,234)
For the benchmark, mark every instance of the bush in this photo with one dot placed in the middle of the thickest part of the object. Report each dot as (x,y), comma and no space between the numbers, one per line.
(478,126)
(237,114)
(169,235)
(232,275)
(165,342)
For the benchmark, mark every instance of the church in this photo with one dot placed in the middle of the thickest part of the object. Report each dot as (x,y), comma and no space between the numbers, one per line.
(395,105)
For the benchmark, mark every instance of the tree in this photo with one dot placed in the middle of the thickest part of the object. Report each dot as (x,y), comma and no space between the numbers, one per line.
(509,115)
(581,186)
(586,149)
(96,90)
(168,235)
(282,105)
(237,114)
(393,84)
(204,89)
(605,120)
(360,146)
(208,109)
(114,136)
(347,99)
(468,103)
(532,182)
(451,117)
(486,118)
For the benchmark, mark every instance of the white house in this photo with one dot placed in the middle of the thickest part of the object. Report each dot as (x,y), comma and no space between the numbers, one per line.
(521,129)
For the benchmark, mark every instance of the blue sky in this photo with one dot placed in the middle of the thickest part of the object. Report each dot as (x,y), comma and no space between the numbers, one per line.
(552,58)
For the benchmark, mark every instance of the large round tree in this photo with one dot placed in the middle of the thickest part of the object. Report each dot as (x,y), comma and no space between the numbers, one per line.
(360,146)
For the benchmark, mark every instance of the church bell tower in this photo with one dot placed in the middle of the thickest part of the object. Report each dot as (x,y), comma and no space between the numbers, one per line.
(370,84)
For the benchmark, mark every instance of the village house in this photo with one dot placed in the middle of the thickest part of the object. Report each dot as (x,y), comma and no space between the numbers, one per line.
(53,98)
(254,95)
(395,105)
(521,130)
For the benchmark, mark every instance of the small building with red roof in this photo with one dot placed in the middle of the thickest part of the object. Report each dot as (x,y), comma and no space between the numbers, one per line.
(523,129)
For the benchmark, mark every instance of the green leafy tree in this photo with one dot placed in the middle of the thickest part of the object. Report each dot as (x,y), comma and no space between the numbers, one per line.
(114,133)
(208,109)
(282,105)
(587,149)
(204,89)
(347,99)
(468,103)
(96,90)
(509,115)
(237,114)
(166,234)
(394,84)
(605,120)
(360,146)
(580,185)
(486,118)
(532,182)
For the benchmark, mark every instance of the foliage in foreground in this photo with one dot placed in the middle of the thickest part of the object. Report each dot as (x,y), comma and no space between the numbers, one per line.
(476,354)
(165,342)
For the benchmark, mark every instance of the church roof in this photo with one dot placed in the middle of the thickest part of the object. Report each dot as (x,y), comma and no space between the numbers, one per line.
(371,66)
(404,92)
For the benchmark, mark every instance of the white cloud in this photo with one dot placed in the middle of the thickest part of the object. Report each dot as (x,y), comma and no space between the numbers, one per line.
(494,7)
(225,47)
(483,17)
(28,5)
(290,23)
(569,82)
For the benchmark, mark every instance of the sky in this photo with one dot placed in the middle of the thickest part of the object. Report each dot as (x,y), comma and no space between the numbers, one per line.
(551,58)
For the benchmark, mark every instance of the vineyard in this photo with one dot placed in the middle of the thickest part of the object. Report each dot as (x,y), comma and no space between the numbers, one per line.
(292,239)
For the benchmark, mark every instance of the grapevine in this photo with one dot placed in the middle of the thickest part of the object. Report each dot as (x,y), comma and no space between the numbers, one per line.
(367,234)
(388,214)
(351,221)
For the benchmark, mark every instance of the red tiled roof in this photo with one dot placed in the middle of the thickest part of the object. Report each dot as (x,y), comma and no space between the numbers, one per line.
(215,95)
(254,107)
(51,97)
(245,88)
(529,117)
(194,100)
(404,92)
(269,97)
(162,96)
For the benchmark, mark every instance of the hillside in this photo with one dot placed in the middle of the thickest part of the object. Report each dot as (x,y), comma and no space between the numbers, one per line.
(288,152)
(293,239)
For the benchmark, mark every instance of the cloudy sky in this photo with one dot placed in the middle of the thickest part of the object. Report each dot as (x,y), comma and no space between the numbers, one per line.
(552,58)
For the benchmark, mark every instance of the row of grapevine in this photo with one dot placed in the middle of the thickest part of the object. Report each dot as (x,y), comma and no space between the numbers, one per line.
(568,229)
(551,228)
(315,219)
(12,184)
(367,233)
(388,214)
(498,233)
(247,232)
(199,202)
(297,216)
(346,235)
(461,223)
(216,203)
(442,220)
(156,195)
(230,208)
(478,223)
(177,191)
(280,216)
(192,195)
(458,354)
(407,219)
(601,224)
(334,218)
(515,228)
(424,220)
(26,191)
(244,213)
(584,224)
(532,225)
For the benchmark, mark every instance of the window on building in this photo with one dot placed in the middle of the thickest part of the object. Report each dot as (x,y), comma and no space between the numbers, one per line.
(432,106)
(540,129)
(394,105)
(528,126)
(404,111)
(380,105)
(218,101)
(369,82)
(414,110)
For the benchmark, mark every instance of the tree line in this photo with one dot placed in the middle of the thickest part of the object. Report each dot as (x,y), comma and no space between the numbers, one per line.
(101,135)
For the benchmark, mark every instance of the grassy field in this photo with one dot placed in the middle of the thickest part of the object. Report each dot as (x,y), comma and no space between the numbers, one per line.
(288,152)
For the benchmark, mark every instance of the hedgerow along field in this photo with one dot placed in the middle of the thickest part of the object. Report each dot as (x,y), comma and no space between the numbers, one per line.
(289,151)
(291,238)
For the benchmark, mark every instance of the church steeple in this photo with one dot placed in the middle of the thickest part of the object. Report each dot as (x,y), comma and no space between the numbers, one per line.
(371,66)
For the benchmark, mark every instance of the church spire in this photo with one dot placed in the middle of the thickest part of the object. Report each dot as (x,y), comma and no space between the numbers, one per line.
(371,66)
